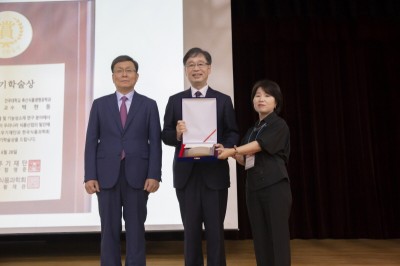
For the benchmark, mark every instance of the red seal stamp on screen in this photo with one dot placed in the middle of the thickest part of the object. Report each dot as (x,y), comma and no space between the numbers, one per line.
(15,34)
(34,166)
(33,182)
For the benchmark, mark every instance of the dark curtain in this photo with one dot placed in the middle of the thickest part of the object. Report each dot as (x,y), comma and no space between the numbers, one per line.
(337,63)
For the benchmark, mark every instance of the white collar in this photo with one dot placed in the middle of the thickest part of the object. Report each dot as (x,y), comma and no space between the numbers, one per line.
(202,90)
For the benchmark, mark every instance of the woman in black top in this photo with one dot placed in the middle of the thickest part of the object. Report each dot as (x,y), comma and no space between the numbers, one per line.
(264,152)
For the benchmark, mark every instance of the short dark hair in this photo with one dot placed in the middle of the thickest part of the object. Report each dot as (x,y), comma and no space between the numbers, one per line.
(273,89)
(123,58)
(196,51)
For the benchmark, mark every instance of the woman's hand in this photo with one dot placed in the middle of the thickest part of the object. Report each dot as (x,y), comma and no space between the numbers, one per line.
(224,153)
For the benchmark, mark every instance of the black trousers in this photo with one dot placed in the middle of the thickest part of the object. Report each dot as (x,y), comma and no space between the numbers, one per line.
(199,204)
(269,211)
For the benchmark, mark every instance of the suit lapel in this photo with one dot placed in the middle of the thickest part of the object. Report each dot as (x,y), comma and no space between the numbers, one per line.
(210,93)
(133,110)
(112,103)
(187,93)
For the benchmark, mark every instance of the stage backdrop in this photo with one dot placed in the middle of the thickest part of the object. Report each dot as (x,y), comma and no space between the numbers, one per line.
(55,58)
(337,63)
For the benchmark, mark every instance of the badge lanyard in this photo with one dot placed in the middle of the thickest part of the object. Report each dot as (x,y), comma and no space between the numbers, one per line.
(250,159)
(259,130)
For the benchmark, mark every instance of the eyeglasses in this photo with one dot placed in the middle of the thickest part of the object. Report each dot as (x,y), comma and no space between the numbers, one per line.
(128,71)
(199,65)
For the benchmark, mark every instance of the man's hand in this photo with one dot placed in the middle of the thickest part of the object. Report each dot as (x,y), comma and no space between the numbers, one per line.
(180,128)
(151,185)
(92,186)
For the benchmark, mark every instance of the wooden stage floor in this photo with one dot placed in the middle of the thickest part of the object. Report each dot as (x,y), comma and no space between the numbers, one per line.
(239,253)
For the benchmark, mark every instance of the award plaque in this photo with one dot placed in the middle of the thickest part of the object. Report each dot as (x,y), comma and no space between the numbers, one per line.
(46,72)
(198,142)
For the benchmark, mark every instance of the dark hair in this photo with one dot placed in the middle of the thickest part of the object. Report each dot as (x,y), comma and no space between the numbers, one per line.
(123,58)
(272,88)
(196,51)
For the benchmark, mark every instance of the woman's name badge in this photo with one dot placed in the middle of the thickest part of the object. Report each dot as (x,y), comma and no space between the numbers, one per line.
(250,160)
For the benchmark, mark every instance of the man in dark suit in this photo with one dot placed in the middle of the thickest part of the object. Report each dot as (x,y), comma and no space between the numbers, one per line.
(201,187)
(123,162)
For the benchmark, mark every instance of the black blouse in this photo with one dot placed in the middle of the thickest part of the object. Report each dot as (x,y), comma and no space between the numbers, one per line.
(273,136)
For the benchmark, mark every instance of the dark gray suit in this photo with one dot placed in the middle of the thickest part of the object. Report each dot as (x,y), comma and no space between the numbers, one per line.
(202,187)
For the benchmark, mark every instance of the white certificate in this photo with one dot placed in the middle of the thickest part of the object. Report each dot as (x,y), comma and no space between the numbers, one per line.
(200,116)
(31,132)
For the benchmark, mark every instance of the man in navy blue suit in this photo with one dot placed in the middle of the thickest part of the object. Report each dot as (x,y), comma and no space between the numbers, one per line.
(201,187)
(123,162)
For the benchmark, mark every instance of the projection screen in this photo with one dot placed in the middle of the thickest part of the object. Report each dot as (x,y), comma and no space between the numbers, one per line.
(55,59)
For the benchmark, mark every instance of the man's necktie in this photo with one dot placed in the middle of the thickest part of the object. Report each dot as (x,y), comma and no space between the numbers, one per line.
(123,113)
(198,94)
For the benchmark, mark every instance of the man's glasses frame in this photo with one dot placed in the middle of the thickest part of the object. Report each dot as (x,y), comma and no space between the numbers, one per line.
(200,65)
(121,71)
